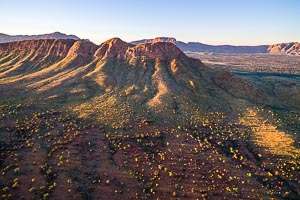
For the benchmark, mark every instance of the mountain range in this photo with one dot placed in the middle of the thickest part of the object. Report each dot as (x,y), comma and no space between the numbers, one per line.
(142,121)
(4,38)
(156,76)
(292,48)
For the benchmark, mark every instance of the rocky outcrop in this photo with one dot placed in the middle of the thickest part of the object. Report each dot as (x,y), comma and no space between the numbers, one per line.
(113,48)
(292,48)
(82,48)
(155,50)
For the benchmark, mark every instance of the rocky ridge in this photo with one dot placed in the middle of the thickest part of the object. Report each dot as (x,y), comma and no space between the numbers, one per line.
(292,48)
(113,48)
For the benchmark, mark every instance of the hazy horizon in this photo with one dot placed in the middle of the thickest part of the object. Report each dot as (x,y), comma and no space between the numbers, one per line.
(215,22)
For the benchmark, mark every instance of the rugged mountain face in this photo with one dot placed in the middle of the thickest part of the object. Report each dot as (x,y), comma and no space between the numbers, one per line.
(39,47)
(4,38)
(144,121)
(158,76)
(284,48)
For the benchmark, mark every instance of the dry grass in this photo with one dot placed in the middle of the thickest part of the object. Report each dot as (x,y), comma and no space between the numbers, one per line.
(268,136)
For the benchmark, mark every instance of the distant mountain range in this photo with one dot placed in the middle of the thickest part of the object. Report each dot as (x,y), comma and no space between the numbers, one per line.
(4,38)
(292,48)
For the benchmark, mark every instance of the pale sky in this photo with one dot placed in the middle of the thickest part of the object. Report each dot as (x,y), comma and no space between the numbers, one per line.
(237,22)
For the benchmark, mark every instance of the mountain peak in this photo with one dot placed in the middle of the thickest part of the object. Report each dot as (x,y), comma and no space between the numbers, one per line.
(114,40)
(82,48)
(114,47)
(156,50)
